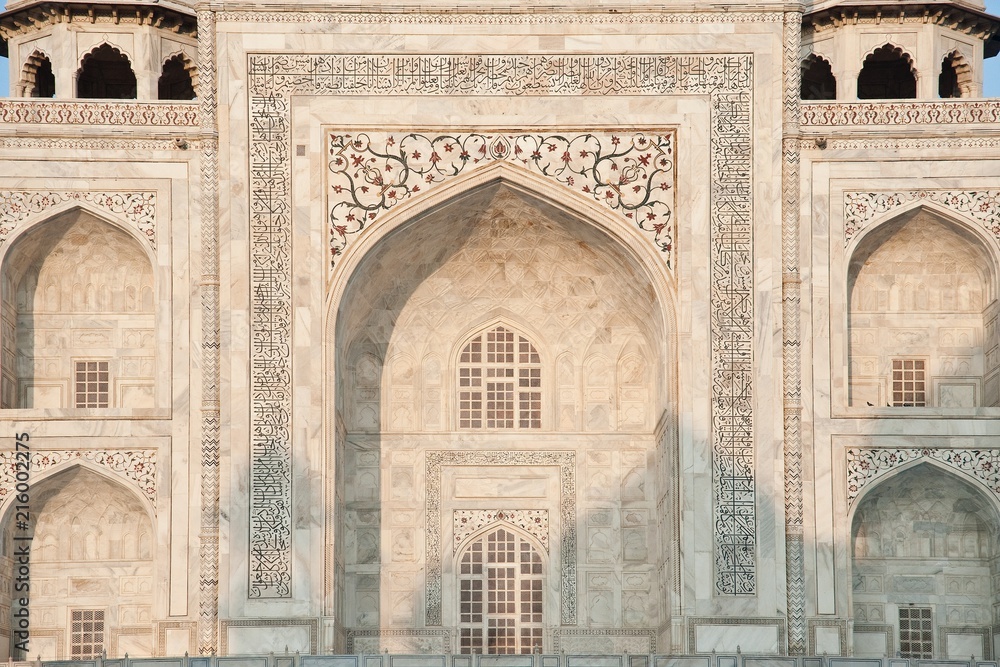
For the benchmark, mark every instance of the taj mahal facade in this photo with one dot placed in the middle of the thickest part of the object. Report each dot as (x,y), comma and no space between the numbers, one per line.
(470,330)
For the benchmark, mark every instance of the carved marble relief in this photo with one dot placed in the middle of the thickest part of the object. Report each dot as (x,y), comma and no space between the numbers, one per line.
(630,173)
(860,208)
(726,78)
(137,467)
(138,208)
(866,465)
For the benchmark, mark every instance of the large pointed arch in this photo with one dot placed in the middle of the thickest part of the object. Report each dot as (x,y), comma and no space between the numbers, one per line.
(418,237)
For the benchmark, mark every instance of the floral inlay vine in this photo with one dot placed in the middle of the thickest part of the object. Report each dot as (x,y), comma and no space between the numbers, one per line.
(630,173)
(860,208)
(533,522)
(139,208)
(865,466)
(138,467)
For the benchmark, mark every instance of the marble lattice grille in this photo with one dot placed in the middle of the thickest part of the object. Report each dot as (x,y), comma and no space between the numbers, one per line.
(726,79)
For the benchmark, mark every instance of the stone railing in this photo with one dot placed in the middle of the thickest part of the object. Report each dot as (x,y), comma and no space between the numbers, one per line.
(535,660)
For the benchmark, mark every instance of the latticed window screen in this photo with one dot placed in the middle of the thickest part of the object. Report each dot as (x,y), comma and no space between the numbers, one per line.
(86,633)
(915,637)
(499,382)
(92,381)
(908,383)
(500,595)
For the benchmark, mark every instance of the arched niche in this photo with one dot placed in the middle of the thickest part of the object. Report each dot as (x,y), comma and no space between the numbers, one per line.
(923,561)
(106,73)
(921,313)
(77,308)
(818,81)
(91,565)
(494,254)
(888,73)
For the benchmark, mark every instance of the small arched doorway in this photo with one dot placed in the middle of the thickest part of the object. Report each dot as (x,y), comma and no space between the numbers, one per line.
(501,581)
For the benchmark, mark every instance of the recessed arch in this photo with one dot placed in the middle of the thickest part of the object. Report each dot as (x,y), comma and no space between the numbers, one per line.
(41,477)
(501,246)
(106,73)
(927,524)
(920,288)
(95,534)
(888,72)
(63,346)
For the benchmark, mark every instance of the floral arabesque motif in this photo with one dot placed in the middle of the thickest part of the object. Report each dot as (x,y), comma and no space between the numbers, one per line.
(533,522)
(139,208)
(860,208)
(632,174)
(865,466)
(138,467)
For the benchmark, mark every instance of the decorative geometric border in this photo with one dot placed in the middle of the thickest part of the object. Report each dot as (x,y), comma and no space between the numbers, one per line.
(311,623)
(860,208)
(888,630)
(139,208)
(566,461)
(841,625)
(866,465)
(693,623)
(874,114)
(395,632)
(459,17)
(138,467)
(631,173)
(985,633)
(559,633)
(727,79)
(533,522)
(158,114)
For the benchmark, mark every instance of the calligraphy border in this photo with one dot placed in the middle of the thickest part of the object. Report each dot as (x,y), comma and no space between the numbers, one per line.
(727,79)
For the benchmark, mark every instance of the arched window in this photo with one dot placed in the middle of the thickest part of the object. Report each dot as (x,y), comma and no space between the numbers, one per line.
(176,82)
(955,79)
(37,79)
(887,75)
(818,82)
(106,73)
(499,380)
(500,595)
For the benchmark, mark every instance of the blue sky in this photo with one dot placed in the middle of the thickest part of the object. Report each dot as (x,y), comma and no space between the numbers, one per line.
(991,74)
